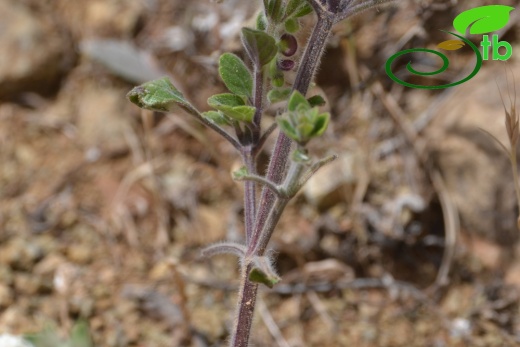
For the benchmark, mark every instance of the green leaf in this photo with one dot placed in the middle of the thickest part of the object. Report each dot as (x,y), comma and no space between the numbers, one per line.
(300,156)
(261,22)
(288,129)
(292,7)
(274,10)
(277,95)
(278,80)
(263,272)
(292,25)
(159,95)
(320,124)
(297,99)
(232,106)
(216,117)
(303,11)
(316,100)
(260,47)
(483,19)
(240,173)
(226,99)
(258,276)
(241,113)
(235,74)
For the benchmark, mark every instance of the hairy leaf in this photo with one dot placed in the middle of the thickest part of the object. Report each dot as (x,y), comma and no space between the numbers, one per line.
(275,10)
(297,99)
(293,6)
(263,272)
(158,95)
(216,117)
(316,100)
(232,106)
(260,47)
(235,74)
(277,95)
(240,173)
(226,99)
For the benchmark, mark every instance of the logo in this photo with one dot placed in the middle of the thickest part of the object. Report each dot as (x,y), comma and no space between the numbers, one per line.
(481,20)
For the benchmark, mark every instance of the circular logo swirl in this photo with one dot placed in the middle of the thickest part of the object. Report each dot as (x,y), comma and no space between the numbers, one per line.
(445,64)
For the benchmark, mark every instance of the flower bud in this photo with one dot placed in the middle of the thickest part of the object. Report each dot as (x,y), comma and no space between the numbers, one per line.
(286,64)
(288,45)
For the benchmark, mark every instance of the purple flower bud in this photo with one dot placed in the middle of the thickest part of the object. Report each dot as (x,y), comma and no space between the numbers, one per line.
(289,44)
(286,64)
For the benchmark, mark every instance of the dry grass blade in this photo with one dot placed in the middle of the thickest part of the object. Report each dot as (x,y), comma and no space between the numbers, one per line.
(512,128)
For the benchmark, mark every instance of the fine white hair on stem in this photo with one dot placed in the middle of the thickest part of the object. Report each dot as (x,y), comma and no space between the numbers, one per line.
(225,248)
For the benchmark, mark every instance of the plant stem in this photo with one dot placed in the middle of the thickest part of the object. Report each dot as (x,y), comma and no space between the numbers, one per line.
(246,309)
(270,208)
(277,166)
(249,193)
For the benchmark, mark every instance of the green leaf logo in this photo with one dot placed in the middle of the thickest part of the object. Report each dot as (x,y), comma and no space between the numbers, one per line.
(483,19)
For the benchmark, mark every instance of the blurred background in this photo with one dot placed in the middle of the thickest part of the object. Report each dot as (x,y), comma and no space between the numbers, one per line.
(104,208)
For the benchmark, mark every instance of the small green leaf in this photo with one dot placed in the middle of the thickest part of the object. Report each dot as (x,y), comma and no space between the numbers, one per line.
(274,10)
(277,95)
(316,100)
(297,99)
(299,156)
(263,272)
(232,106)
(320,124)
(288,129)
(241,113)
(292,25)
(226,99)
(240,173)
(292,7)
(235,74)
(303,11)
(258,276)
(278,80)
(216,117)
(158,95)
(483,19)
(261,22)
(260,47)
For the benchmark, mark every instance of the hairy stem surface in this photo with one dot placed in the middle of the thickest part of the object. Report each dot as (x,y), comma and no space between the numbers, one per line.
(246,309)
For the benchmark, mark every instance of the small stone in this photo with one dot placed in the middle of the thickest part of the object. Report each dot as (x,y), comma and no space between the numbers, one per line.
(33,56)
(21,254)
(332,183)
(80,253)
(27,284)
(6,296)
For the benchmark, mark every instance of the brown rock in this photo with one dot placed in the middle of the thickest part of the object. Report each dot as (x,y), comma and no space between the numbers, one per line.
(33,55)
(6,295)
